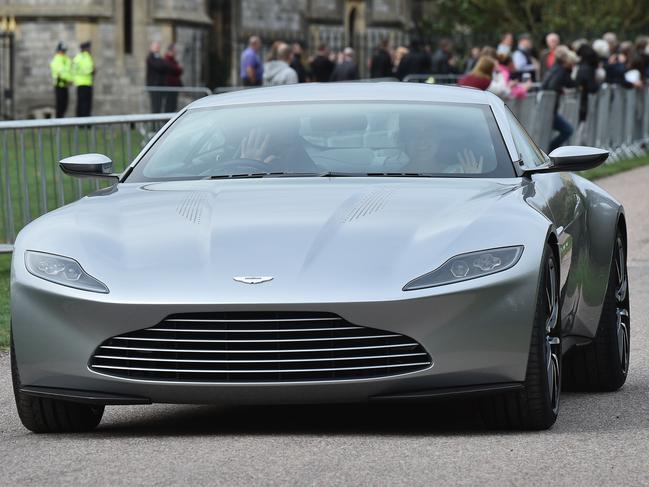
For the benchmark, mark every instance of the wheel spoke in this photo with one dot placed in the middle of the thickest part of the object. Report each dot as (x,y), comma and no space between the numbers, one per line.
(623,339)
(552,297)
(556,382)
(549,371)
(552,341)
(622,283)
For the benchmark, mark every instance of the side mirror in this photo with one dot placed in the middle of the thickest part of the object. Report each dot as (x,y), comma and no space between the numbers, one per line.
(88,166)
(577,157)
(572,158)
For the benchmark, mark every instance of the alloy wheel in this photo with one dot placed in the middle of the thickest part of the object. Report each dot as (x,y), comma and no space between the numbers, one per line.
(622,306)
(552,338)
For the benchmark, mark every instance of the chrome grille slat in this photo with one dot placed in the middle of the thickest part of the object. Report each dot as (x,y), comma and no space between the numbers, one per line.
(261,371)
(179,350)
(269,330)
(208,361)
(270,320)
(279,340)
(258,347)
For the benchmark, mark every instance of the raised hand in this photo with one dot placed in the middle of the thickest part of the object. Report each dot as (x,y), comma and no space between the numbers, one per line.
(255,146)
(469,162)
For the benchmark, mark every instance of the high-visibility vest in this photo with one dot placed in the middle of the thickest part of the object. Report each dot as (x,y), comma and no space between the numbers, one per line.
(61,67)
(82,69)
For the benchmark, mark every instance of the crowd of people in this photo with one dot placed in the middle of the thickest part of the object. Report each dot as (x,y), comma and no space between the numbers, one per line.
(284,64)
(510,70)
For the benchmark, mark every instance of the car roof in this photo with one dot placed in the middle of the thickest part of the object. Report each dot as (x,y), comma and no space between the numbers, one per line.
(355,91)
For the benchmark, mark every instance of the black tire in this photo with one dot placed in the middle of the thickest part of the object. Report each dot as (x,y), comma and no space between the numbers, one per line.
(603,364)
(42,415)
(537,405)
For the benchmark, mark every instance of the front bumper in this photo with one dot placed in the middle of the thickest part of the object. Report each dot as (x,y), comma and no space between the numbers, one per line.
(477,333)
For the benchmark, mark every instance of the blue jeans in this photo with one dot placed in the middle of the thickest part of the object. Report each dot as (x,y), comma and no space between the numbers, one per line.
(565,130)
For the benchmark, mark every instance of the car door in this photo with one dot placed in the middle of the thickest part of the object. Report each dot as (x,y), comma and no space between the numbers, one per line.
(556,196)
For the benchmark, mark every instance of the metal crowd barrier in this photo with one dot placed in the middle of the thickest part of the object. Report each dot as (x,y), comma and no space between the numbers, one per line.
(184,95)
(616,119)
(30,183)
(436,79)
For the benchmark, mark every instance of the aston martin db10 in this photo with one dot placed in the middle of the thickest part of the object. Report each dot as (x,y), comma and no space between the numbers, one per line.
(329,243)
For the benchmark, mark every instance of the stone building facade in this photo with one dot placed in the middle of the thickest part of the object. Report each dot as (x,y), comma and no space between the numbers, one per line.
(210,35)
(337,23)
(120,32)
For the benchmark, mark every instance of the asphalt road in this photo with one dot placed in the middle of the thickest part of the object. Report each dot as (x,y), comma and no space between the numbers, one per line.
(599,439)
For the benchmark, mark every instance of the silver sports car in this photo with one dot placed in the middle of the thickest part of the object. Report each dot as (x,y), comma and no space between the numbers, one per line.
(325,244)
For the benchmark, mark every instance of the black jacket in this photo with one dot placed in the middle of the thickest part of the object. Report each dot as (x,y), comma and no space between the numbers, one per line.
(415,62)
(586,82)
(345,71)
(297,65)
(381,64)
(321,68)
(441,64)
(558,79)
(156,70)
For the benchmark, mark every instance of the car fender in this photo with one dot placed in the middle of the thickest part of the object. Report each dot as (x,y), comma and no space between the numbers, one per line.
(603,214)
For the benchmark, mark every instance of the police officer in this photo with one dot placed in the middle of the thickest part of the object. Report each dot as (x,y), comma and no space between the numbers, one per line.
(83,71)
(61,68)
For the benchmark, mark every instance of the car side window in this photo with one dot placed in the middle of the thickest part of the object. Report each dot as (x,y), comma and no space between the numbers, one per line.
(525,146)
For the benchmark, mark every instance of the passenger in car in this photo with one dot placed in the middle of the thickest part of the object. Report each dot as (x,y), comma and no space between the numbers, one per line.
(422,143)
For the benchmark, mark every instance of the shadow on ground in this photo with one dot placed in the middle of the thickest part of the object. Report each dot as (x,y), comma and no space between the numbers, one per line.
(581,412)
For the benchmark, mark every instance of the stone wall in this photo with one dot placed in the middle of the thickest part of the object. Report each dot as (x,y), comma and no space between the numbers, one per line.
(120,76)
(34,49)
(268,16)
(323,21)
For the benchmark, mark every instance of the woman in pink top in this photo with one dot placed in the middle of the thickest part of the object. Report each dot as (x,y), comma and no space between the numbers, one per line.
(502,84)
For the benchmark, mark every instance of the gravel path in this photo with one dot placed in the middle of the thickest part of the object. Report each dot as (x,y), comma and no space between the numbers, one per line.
(599,439)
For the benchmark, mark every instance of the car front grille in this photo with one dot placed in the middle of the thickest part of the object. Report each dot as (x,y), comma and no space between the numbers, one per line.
(258,347)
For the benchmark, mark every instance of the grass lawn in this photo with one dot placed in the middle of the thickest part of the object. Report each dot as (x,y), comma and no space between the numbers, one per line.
(5,259)
(32,184)
(620,166)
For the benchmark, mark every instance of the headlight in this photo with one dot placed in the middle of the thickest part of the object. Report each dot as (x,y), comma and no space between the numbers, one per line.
(62,270)
(468,266)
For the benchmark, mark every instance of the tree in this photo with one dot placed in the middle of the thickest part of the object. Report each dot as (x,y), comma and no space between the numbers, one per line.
(572,18)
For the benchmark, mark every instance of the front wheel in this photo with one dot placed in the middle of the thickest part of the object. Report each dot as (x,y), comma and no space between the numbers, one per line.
(603,364)
(536,407)
(42,415)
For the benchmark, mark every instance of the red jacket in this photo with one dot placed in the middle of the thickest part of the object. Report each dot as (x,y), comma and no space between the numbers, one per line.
(174,70)
(474,81)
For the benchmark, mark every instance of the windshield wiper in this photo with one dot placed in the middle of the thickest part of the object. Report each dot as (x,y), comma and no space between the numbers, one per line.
(334,174)
(328,174)
(264,175)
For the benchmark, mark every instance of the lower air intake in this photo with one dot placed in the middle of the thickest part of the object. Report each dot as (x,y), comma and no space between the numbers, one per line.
(258,347)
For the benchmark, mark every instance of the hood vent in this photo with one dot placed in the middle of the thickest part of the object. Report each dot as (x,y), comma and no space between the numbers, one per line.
(371,203)
(192,206)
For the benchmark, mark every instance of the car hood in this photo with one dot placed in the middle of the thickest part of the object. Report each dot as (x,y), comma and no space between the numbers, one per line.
(321,239)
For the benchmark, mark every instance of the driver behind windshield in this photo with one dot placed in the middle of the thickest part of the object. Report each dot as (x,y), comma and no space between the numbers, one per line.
(275,147)
(432,149)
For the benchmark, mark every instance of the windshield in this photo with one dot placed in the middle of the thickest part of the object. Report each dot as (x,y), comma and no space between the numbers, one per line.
(319,139)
